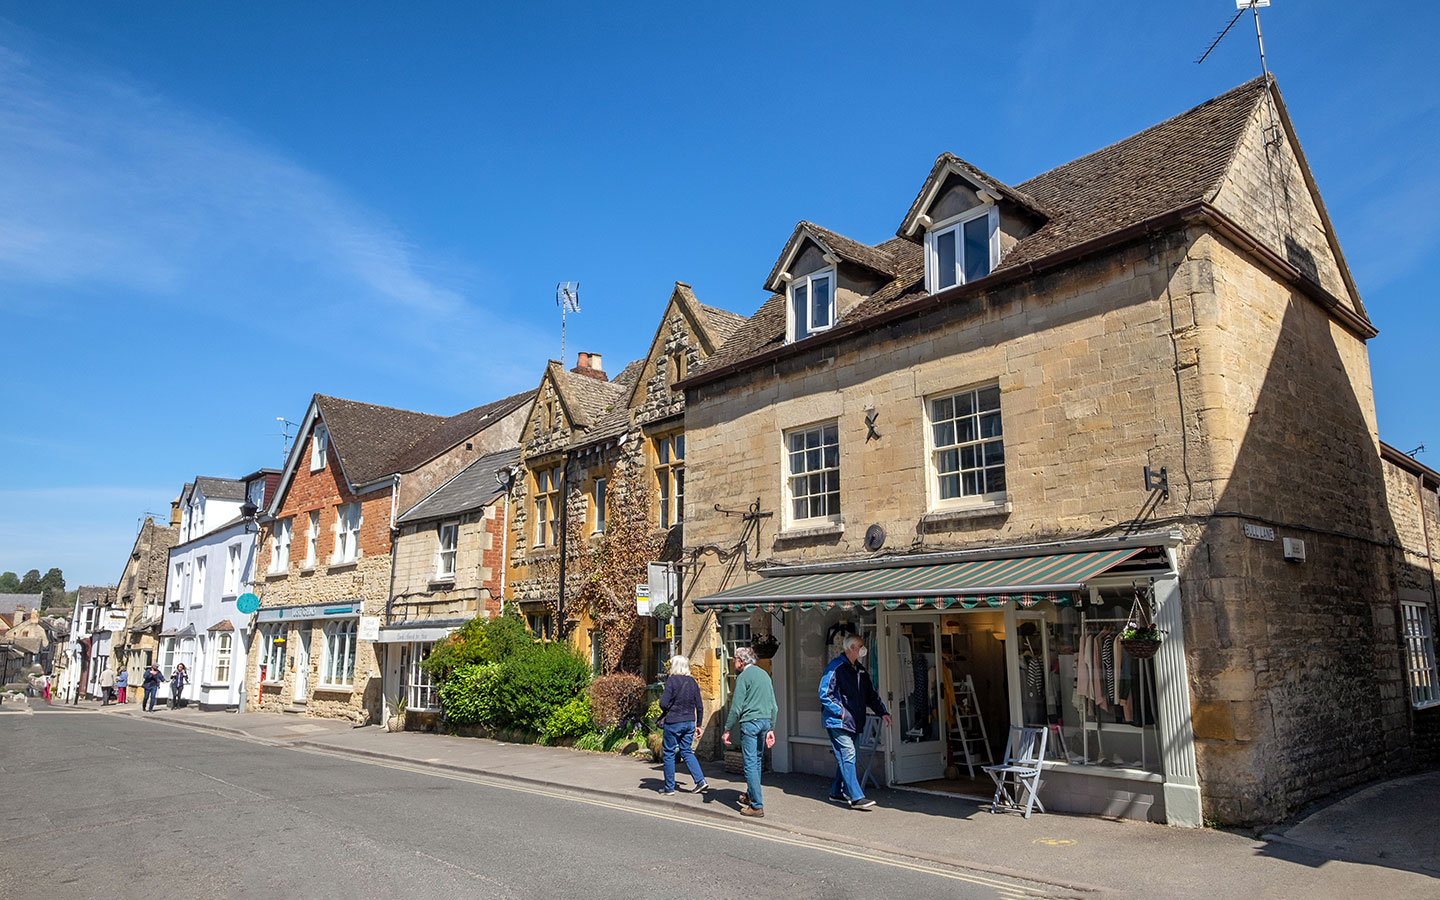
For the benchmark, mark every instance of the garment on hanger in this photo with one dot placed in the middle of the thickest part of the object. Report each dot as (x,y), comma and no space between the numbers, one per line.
(906,668)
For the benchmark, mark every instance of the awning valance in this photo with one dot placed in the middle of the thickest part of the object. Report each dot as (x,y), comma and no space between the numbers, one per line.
(1024,580)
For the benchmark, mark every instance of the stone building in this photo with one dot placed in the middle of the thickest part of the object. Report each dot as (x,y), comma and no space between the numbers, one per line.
(127,633)
(325,542)
(1136,384)
(615,451)
(448,568)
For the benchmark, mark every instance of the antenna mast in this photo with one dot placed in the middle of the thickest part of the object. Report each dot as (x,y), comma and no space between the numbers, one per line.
(567,297)
(285,426)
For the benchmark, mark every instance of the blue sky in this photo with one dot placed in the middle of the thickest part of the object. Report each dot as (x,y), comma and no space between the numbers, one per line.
(210,211)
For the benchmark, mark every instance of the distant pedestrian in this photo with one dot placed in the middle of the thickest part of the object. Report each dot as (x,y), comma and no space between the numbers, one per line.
(178,680)
(845,693)
(151,685)
(683,713)
(122,681)
(47,690)
(107,687)
(753,709)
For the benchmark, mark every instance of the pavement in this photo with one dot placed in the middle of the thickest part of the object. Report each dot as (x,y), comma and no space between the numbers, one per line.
(1382,840)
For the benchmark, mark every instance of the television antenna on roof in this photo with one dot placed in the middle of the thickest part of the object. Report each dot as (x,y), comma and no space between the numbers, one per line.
(1240,7)
(567,297)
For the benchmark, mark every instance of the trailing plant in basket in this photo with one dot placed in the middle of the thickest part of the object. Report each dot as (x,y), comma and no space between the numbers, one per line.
(662,611)
(765,645)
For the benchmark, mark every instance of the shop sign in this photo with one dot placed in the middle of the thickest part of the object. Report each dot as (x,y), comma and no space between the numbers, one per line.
(1259,532)
(369,629)
(310,611)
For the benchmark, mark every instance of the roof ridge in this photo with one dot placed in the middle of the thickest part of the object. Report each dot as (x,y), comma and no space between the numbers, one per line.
(413,412)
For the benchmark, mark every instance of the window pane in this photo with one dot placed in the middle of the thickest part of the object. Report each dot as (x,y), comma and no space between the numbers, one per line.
(949,487)
(944,434)
(799,305)
(977,248)
(989,398)
(812,459)
(967,457)
(797,442)
(797,462)
(965,404)
(679,446)
(947,461)
(832,456)
(802,509)
(943,409)
(994,453)
(972,484)
(662,448)
(945,260)
(990,425)
(967,429)
(832,434)
(820,303)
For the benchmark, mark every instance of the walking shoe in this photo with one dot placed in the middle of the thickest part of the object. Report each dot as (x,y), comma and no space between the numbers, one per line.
(839,798)
(702,787)
(862,803)
(755,811)
(665,792)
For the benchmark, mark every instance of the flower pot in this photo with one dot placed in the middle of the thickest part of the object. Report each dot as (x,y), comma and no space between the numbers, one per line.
(765,649)
(394,723)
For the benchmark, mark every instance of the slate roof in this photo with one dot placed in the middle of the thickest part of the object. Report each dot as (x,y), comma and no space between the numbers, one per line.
(474,487)
(459,427)
(369,439)
(11,602)
(89,595)
(1161,169)
(616,420)
(723,323)
(876,259)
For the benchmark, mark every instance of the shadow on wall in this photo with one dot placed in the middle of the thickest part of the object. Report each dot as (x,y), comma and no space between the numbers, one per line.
(1295,667)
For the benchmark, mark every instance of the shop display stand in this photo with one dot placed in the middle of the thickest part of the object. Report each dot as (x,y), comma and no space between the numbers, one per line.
(969,730)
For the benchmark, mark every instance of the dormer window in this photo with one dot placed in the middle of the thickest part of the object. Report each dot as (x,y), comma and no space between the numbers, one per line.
(318,441)
(961,250)
(812,304)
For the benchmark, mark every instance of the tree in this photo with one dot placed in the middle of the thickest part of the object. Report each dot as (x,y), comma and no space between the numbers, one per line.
(52,586)
(30,584)
(9,583)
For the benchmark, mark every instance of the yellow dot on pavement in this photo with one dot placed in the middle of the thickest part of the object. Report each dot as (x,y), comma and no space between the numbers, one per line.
(1052,842)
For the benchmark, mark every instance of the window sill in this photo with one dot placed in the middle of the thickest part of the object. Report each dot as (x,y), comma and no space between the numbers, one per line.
(943,517)
(442,583)
(811,531)
(308,570)
(215,685)
(1428,704)
(271,576)
(229,595)
(1055,765)
(333,689)
(272,684)
(342,566)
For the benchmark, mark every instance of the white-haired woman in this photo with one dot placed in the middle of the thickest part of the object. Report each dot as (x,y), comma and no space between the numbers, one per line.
(683,712)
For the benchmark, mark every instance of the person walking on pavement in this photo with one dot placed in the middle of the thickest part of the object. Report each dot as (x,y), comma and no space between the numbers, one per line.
(122,681)
(752,709)
(178,680)
(683,712)
(845,693)
(107,686)
(47,690)
(151,686)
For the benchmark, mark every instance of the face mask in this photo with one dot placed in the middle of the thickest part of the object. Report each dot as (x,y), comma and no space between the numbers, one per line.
(863,653)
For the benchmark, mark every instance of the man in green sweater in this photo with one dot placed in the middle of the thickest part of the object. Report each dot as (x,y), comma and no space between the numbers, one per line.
(753,708)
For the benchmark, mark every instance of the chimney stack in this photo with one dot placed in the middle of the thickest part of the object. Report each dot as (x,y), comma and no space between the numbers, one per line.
(588,364)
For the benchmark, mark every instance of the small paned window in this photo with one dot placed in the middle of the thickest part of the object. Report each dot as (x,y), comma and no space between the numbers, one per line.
(547,507)
(813,467)
(670,478)
(449,541)
(338,667)
(968,456)
(1420,654)
(223,649)
(419,688)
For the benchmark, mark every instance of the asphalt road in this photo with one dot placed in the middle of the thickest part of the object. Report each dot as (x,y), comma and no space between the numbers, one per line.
(100,806)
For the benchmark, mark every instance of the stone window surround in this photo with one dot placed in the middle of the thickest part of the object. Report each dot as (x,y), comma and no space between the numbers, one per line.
(792,526)
(939,510)
(444,554)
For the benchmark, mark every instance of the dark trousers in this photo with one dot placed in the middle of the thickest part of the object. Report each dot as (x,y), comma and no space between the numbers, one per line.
(148,701)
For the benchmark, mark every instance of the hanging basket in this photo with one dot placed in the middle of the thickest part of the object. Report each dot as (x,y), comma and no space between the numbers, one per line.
(765,646)
(1140,647)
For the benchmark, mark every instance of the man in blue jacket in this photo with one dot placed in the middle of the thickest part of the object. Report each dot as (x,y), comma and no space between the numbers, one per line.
(845,694)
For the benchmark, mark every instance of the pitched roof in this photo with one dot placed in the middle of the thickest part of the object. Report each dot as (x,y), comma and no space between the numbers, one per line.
(220,488)
(586,399)
(474,487)
(948,162)
(616,420)
(1178,162)
(723,323)
(91,594)
(11,602)
(876,259)
(459,427)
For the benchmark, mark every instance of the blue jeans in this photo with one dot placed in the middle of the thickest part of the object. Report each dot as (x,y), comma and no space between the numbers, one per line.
(752,749)
(846,782)
(677,737)
(148,701)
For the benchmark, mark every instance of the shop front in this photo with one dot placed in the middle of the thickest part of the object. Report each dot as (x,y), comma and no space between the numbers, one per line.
(962,646)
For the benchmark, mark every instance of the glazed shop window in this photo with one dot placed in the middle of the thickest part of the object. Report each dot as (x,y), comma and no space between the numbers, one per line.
(967,456)
(1075,674)
(272,660)
(1420,655)
(813,473)
(418,689)
(338,667)
(814,638)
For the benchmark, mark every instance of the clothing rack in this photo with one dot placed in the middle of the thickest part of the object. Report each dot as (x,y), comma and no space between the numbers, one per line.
(1144,692)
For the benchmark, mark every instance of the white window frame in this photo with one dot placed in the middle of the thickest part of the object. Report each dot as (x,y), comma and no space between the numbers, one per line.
(232,569)
(280,535)
(273,660)
(991,213)
(419,688)
(789,475)
(597,499)
(197,582)
(807,282)
(1419,635)
(312,539)
(347,533)
(445,557)
(319,447)
(933,451)
(179,584)
(337,668)
(224,657)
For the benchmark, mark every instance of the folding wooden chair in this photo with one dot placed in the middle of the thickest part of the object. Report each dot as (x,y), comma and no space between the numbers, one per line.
(865,751)
(1017,780)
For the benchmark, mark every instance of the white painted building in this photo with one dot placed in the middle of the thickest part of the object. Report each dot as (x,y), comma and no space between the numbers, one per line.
(210,567)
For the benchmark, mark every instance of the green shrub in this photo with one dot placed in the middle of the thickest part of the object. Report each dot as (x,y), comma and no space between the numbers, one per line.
(506,636)
(569,721)
(468,646)
(652,716)
(617,698)
(467,692)
(530,685)
(591,740)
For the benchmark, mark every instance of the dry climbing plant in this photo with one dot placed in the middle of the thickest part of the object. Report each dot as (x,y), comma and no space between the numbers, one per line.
(627,546)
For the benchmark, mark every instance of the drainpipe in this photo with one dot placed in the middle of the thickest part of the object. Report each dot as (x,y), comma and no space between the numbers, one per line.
(560,630)
(504,551)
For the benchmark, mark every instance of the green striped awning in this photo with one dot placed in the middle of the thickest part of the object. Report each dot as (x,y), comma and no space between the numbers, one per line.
(1025,580)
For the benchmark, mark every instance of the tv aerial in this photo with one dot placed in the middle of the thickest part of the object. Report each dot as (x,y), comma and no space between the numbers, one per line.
(567,297)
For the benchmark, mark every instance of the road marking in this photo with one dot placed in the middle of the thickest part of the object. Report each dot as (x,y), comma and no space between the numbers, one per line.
(1006,889)
(1053,842)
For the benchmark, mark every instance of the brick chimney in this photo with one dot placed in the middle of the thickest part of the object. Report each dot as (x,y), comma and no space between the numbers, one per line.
(588,364)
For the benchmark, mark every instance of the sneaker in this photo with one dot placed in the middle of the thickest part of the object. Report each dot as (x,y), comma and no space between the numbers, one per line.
(862,803)
(702,788)
(665,792)
(757,812)
(839,798)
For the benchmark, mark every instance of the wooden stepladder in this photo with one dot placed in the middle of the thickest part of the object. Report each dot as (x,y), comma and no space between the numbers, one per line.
(968,727)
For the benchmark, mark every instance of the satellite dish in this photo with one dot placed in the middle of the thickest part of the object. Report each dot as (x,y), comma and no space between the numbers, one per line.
(874,538)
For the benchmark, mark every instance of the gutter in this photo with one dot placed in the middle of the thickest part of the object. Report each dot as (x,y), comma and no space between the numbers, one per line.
(1197,212)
